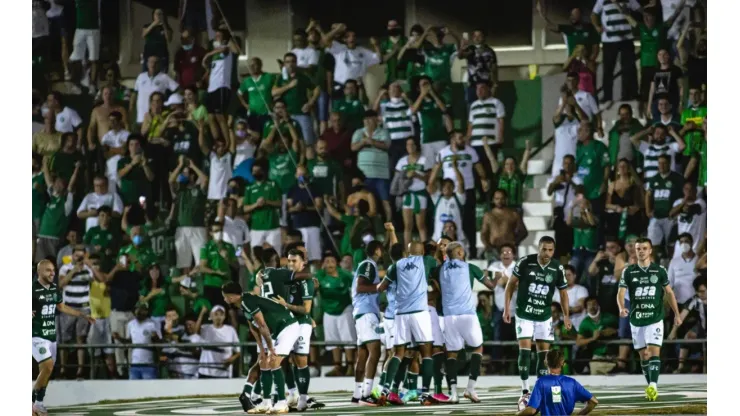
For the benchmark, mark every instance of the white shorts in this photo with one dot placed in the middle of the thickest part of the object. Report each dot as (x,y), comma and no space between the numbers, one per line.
(431,150)
(273,237)
(303,343)
(659,230)
(410,200)
(539,331)
(462,331)
(367,329)
(85,40)
(340,328)
(188,242)
(100,333)
(312,240)
(414,327)
(652,334)
(389,328)
(286,339)
(43,350)
(438,339)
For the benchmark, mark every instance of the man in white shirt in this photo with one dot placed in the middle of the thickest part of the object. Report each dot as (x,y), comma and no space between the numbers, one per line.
(352,61)
(220,170)
(577,295)
(141,330)
(307,56)
(448,203)
(101,196)
(236,230)
(114,146)
(217,363)
(147,83)
(681,270)
(502,270)
(67,119)
(691,214)
(562,187)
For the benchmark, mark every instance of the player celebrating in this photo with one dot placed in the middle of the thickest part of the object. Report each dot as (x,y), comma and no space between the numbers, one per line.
(278,329)
(647,283)
(537,275)
(47,299)
(462,327)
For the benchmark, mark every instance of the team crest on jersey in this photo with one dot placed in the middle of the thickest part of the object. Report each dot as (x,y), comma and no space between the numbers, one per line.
(42,350)
(653,279)
(548,278)
(668,184)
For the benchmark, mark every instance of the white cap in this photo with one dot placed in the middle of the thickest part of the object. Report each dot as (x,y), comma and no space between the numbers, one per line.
(173,99)
(218,307)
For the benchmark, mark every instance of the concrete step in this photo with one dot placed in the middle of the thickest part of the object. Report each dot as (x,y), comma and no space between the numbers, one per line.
(525,250)
(540,181)
(537,223)
(537,195)
(537,209)
(537,167)
(533,237)
(482,264)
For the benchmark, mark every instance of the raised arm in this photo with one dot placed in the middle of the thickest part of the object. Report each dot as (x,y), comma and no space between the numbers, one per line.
(525,157)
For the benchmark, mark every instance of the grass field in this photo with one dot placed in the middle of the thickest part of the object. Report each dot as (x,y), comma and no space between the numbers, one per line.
(674,399)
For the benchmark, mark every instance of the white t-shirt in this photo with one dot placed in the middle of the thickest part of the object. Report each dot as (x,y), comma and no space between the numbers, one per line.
(566,143)
(575,293)
(466,158)
(146,85)
(244,150)
(236,232)
(681,276)
(115,139)
(448,210)
(220,174)
(416,183)
(141,333)
(306,57)
(351,63)
(67,120)
(484,117)
(95,201)
(220,75)
(208,358)
(499,292)
(586,101)
(183,364)
(695,224)
(560,197)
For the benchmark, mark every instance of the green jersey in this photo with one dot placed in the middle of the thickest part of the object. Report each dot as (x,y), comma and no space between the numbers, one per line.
(651,41)
(393,70)
(44,304)
(134,184)
(351,110)
(161,236)
(276,282)
(259,93)
(88,14)
(693,139)
(197,304)
(299,292)
(276,316)
(63,164)
(335,291)
(537,284)
(296,97)
(104,243)
(157,303)
(282,169)
(664,192)
(591,160)
(138,258)
(265,217)
(589,326)
(55,219)
(584,35)
(513,186)
(646,288)
(431,122)
(703,163)
(219,257)
(325,176)
(586,238)
(438,62)
(38,195)
(191,207)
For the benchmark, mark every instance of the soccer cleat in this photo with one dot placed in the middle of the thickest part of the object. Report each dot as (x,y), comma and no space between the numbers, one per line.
(441,397)
(410,396)
(39,410)
(471,395)
(313,404)
(651,393)
(355,400)
(369,401)
(246,402)
(257,400)
(427,399)
(395,399)
(301,406)
(377,392)
(279,408)
(262,408)
(293,400)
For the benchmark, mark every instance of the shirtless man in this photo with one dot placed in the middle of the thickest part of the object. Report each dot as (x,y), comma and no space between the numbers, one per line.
(501,225)
(99,124)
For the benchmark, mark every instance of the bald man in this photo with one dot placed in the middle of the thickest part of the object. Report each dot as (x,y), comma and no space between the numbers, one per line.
(46,300)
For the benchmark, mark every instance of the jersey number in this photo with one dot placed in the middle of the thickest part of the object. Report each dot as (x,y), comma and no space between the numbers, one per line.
(267,290)
(48,309)
(536,289)
(645,291)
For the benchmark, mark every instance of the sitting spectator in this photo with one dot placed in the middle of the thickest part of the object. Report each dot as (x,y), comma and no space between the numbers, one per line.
(148,82)
(134,173)
(592,162)
(349,106)
(154,292)
(304,204)
(114,148)
(189,184)
(119,93)
(183,362)
(74,281)
(501,225)
(187,63)
(100,197)
(563,188)
(157,36)
(681,270)
(448,201)
(262,201)
(299,93)
(47,141)
(662,191)
(624,203)
(55,219)
(413,169)
(666,81)
(620,145)
(658,145)
(690,213)
(597,326)
(338,138)
(434,123)
(510,179)
(577,295)
(583,219)
(694,326)
(566,120)
(217,362)
(371,144)
(101,238)
(141,330)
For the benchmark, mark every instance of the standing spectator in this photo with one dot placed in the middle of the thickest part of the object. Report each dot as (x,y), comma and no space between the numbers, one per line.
(47,141)
(304,204)
(63,162)
(217,362)
(220,173)
(352,61)
(592,162)
(616,36)
(194,302)
(38,198)
(193,15)
(667,81)
(695,112)
(222,58)
(438,58)
(585,101)
(578,63)
(390,47)
(58,30)
(87,39)
(597,326)
(40,44)
(482,63)
(434,122)
(74,280)
(395,108)
(299,93)
(101,240)
(577,32)
(585,232)
(694,316)
(326,173)
(699,159)
(602,282)
(258,90)
(124,287)
(697,59)
(681,270)
(156,119)
(676,15)
(566,120)
(500,225)
(217,258)
(134,172)
(510,179)
(183,361)
(141,330)
(113,143)
(577,295)
(620,145)
(371,144)
(155,293)
(65,253)
(245,143)
(186,139)
(262,201)
(55,219)
(157,36)
(235,229)
(502,270)
(658,146)
(100,309)
(67,120)
(662,191)
(100,197)
(101,117)
(413,167)
(624,203)
(137,256)
(307,57)
(150,81)
(338,138)
(690,213)
(187,63)
(349,106)
(189,185)
(486,119)
(120,94)
(563,188)
(283,159)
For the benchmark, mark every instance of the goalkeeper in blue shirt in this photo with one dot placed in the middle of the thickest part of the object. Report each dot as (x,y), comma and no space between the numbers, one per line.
(555,394)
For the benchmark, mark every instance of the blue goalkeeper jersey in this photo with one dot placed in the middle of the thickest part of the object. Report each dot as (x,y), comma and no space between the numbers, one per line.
(556,395)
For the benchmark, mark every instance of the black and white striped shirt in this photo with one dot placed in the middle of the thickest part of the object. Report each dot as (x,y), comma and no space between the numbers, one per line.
(653,151)
(77,292)
(615,24)
(484,118)
(397,119)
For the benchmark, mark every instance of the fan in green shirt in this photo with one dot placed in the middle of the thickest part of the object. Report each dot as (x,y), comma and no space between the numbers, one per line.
(695,113)
(191,185)
(102,239)
(38,194)
(282,161)
(390,47)
(88,14)
(138,255)
(597,326)
(154,292)
(592,161)
(258,89)
(511,179)
(297,91)
(335,287)
(431,110)
(63,162)
(55,218)
(326,173)
(262,200)
(216,258)
(193,301)
(350,107)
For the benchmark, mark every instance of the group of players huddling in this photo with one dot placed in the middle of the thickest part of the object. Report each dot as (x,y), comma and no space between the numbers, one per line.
(429,319)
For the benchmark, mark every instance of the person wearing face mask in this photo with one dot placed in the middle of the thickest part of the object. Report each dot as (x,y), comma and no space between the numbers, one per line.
(55,219)
(188,70)
(262,200)
(390,47)
(658,145)
(217,258)
(244,142)
(482,63)
(189,184)
(137,256)
(681,272)
(596,326)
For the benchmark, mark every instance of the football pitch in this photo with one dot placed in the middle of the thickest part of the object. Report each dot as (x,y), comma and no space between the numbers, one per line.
(621,400)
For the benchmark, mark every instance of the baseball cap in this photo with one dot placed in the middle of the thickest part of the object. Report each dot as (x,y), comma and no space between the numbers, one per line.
(218,307)
(174,99)
(188,283)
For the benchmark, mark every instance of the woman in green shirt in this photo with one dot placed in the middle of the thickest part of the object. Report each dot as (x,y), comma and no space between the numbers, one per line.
(154,293)
(510,179)
(197,112)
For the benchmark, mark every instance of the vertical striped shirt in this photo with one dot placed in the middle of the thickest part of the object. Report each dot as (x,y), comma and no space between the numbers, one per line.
(615,24)
(77,292)
(484,116)
(397,119)
(653,151)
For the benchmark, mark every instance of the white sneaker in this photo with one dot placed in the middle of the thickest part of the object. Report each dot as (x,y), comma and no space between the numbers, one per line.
(454,399)
(67,76)
(302,405)
(263,407)
(279,408)
(292,400)
(39,409)
(471,395)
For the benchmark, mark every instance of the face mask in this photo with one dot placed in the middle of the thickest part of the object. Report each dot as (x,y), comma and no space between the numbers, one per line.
(187,47)
(181,178)
(216,44)
(685,248)
(367,239)
(594,315)
(258,176)
(395,99)
(301,179)
(217,237)
(137,240)
(241,133)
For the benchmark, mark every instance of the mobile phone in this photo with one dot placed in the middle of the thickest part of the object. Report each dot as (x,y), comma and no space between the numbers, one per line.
(465,36)
(122,260)
(142,201)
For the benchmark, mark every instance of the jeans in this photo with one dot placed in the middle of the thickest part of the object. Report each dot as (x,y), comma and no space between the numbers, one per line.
(323,106)
(142,373)
(496,321)
(625,330)
(306,123)
(470,95)
(581,259)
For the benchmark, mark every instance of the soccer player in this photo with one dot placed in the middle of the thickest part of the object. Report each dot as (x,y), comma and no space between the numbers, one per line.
(396,253)
(278,329)
(537,276)
(47,299)
(413,322)
(555,394)
(647,283)
(366,311)
(249,395)
(462,327)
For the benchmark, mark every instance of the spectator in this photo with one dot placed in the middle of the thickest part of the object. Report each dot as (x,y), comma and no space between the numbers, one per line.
(307,57)
(581,216)
(667,81)
(326,173)
(194,302)
(577,32)
(585,101)
(148,82)
(58,30)
(566,121)
(74,281)
(67,120)
(100,309)
(134,172)
(597,326)
(561,333)
(439,57)
(501,225)
(395,109)
(221,161)
(186,139)
(602,282)
(283,159)
(193,16)
(502,270)
(159,233)
(188,58)
(262,202)
(183,362)
(696,43)
(155,294)
(694,316)
(100,238)
(64,161)
(141,330)
(47,141)
(510,179)
(349,106)
(620,145)
(189,185)
(219,70)
(434,122)
(217,258)
(65,253)
(87,39)
(157,36)
(412,168)
(102,118)
(100,197)
(681,272)
(120,94)
(258,90)
(54,221)
(371,144)
(484,312)
(358,209)
(675,16)
(592,162)
(658,146)
(579,64)
(624,203)
(156,119)
(482,63)
(695,113)
(304,204)
(244,142)
(217,362)
(577,295)
(486,119)
(124,287)
(352,61)
(235,229)
(40,44)
(662,191)
(338,138)
(390,47)
(690,213)
(38,195)
(563,187)
(667,118)
(616,36)
(113,142)
(300,94)
(137,256)
(334,288)
(698,160)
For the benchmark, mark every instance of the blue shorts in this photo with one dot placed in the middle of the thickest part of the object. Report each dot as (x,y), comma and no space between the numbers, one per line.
(379,187)
(625,330)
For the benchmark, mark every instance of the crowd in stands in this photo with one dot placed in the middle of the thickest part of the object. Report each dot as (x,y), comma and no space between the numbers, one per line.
(196,174)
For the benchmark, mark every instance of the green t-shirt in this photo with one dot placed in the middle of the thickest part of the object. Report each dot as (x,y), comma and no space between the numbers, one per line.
(646,287)
(276,316)
(259,93)
(55,219)
(282,130)
(585,35)
(335,292)
(664,192)
(591,159)
(142,257)
(63,164)
(345,246)
(297,96)
(393,70)
(88,14)
(158,303)
(703,163)
(300,291)
(588,327)
(282,169)
(265,217)
(651,41)
(276,282)
(325,176)
(211,252)
(161,237)
(191,207)
(197,304)
(438,62)
(537,284)
(431,122)
(104,242)
(586,238)
(39,196)
(352,112)
(513,185)
(693,139)
(134,184)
